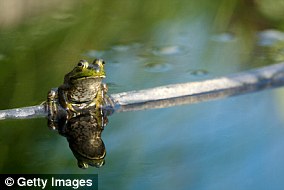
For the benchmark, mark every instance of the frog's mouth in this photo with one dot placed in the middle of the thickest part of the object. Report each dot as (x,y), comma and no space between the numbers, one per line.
(86,77)
(85,157)
(95,162)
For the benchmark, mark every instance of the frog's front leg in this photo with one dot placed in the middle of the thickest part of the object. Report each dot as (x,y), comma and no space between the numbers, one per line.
(102,94)
(63,100)
(98,101)
(107,100)
(52,109)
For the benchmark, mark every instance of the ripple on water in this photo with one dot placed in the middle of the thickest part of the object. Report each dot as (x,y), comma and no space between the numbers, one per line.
(120,48)
(223,37)
(169,50)
(270,37)
(125,48)
(157,67)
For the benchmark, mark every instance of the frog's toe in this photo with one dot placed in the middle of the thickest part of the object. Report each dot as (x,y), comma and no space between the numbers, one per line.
(82,165)
(71,114)
(51,125)
(98,164)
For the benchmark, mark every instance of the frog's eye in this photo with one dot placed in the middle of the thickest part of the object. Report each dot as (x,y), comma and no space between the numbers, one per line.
(97,68)
(83,63)
(99,61)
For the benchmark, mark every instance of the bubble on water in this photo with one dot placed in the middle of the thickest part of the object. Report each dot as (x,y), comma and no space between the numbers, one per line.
(270,37)
(157,67)
(224,37)
(169,50)
(124,48)
(121,48)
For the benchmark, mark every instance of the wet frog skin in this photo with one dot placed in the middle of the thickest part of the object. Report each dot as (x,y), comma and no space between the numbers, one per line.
(75,111)
(82,90)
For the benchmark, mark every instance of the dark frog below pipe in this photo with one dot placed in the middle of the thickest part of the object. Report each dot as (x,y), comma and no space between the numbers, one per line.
(83,133)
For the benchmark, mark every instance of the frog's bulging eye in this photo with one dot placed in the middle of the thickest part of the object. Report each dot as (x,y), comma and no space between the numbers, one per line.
(99,61)
(83,64)
(95,67)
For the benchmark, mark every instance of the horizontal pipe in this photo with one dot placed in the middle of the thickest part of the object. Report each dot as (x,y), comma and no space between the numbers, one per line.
(177,94)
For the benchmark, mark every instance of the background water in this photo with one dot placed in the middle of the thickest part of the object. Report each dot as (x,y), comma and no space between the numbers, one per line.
(235,143)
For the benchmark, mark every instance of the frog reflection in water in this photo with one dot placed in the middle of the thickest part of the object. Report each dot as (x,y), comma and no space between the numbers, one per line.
(75,110)
(83,133)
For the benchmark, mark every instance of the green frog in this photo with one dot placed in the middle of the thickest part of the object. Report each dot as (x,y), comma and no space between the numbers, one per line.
(82,89)
(75,110)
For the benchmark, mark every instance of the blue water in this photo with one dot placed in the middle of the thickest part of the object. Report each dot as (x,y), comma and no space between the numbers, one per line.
(234,143)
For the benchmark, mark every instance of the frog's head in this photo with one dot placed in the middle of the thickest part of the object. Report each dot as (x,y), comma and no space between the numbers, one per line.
(86,70)
(95,159)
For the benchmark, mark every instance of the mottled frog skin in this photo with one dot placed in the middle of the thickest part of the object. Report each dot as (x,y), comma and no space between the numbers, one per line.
(82,89)
(83,133)
(83,86)
(75,110)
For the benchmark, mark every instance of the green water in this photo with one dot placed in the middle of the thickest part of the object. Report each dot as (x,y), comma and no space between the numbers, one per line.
(235,143)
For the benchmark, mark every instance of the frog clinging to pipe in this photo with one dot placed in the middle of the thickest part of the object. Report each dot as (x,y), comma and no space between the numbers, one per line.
(75,110)
(82,90)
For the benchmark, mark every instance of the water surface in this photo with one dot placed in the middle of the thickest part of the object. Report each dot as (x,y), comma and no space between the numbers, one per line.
(234,143)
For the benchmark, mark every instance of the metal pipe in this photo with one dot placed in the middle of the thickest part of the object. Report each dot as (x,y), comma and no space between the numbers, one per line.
(177,94)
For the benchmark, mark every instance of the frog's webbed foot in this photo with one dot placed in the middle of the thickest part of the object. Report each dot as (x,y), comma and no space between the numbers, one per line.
(82,165)
(52,109)
(71,112)
(104,101)
(101,101)
(104,88)
(108,103)
(68,107)
(94,163)
(98,101)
